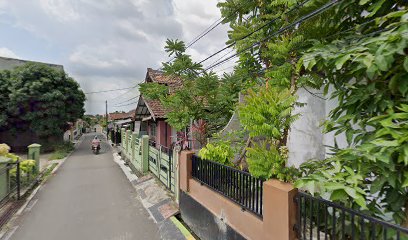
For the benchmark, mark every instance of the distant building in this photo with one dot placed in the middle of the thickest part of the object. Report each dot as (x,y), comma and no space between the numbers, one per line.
(10,63)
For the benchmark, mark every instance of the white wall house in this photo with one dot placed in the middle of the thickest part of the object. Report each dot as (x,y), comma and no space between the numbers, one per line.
(306,140)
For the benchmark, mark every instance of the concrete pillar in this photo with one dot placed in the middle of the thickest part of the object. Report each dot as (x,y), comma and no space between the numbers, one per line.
(132,156)
(145,154)
(185,167)
(128,135)
(123,135)
(176,169)
(34,154)
(279,213)
(4,177)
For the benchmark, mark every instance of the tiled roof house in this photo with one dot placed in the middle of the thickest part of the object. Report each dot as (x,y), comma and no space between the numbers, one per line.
(150,115)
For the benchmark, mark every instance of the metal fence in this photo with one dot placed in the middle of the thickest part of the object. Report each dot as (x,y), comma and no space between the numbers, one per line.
(161,164)
(238,186)
(10,179)
(322,219)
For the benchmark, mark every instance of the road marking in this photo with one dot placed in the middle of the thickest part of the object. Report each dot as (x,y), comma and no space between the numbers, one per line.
(182,228)
(10,233)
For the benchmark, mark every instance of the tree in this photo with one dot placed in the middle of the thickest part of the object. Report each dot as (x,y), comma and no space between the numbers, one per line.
(368,69)
(203,95)
(39,98)
(360,49)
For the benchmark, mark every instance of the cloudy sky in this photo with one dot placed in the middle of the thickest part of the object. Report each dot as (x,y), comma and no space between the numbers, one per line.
(106,44)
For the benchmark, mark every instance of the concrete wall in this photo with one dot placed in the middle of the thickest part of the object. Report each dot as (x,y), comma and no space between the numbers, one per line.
(212,216)
(306,140)
(10,63)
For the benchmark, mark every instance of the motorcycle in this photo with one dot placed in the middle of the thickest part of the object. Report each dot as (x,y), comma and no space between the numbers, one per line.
(96,148)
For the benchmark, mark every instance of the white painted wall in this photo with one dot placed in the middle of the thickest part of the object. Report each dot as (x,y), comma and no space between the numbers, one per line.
(306,140)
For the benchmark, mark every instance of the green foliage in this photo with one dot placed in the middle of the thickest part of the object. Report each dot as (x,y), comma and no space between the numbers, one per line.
(267,115)
(368,74)
(266,161)
(40,98)
(220,152)
(267,112)
(153,90)
(202,95)
(61,151)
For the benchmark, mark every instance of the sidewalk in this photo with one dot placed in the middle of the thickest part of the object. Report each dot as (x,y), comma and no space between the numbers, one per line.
(157,201)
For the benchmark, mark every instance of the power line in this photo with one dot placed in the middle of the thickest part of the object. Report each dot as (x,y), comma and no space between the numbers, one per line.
(132,103)
(110,90)
(281,30)
(122,94)
(128,100)
(257,30)
(205,33)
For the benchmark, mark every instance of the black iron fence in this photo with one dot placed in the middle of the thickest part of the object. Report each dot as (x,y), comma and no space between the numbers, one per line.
(10,182)
(322,219)
(238,186)
(152,143)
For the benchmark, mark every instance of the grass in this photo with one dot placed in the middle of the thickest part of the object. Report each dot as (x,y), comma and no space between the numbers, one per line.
(61,151)
(47,173)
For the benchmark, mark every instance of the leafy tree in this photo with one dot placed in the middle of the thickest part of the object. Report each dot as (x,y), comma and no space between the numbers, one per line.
(40,98)
(369,73)
(203,95)
(360,49)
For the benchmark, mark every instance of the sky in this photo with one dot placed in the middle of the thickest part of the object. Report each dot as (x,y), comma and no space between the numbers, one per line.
(107,44)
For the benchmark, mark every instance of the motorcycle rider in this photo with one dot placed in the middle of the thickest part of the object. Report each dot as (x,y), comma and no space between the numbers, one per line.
(96,142)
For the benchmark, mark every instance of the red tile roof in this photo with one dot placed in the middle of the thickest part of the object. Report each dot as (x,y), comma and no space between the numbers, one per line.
(160,77)
(120,116)
(155,107)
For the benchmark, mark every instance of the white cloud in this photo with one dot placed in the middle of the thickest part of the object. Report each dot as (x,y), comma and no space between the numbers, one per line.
(5,52)
(61,10)
(108,44)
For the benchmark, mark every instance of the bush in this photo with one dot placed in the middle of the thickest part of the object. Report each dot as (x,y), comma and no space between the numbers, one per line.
(61,151)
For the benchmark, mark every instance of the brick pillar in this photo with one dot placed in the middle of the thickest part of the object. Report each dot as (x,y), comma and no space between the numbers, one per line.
(279,213)
(185,166)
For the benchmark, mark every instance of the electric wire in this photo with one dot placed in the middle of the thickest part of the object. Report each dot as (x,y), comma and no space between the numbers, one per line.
(111,90)
(127,100)
(255,31)
(281,30)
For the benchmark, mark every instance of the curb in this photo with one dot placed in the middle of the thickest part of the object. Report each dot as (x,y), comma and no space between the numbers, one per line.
(186,233)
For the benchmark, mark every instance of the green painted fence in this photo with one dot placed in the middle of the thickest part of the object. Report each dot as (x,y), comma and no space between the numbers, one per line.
(144,156)
(161,165)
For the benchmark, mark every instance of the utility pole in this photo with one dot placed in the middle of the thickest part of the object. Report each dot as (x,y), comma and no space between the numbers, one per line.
(106,118)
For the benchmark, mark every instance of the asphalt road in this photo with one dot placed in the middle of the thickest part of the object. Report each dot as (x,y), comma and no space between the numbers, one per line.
(89,198)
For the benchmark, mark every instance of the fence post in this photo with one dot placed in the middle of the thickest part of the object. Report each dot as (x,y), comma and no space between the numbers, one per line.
(279,213)
(4,176)
(123,136)
(185,165)
(128,132)
(34,154)
(176,166)
(132,156)
(18,179)
(145,153)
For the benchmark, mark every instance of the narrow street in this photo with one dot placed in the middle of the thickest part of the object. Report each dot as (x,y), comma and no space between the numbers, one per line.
(88,198)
